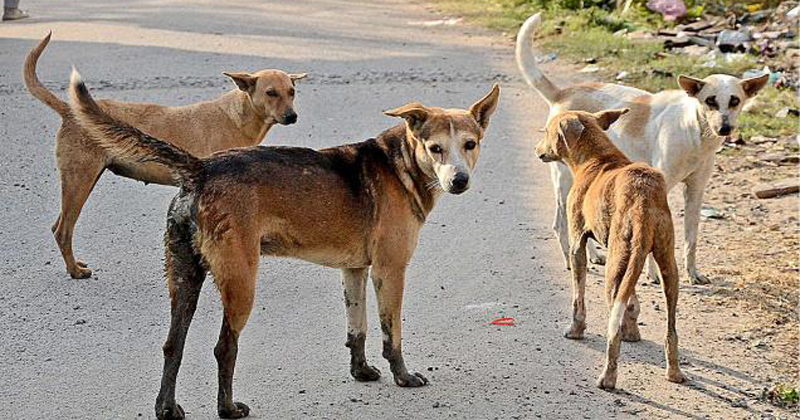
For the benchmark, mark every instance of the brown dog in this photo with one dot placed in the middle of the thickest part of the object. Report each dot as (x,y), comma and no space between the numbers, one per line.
(353,207)
(622,205)
(239,118)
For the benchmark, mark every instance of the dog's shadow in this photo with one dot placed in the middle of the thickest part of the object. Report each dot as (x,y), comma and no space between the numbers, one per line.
(652,353)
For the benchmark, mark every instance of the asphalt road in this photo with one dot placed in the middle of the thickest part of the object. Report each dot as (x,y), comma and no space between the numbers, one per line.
(79,349)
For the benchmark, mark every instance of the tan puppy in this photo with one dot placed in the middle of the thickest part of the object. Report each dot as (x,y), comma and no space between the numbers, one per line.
(622,205)
(239,118)
(355,207)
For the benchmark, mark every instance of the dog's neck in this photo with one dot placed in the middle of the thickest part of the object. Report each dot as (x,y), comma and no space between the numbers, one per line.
(402,157)
(594,150)
(252,124)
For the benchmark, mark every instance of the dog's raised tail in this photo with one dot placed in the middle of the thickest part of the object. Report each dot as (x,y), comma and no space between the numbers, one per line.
(526,60)
(35,86)
(129,143)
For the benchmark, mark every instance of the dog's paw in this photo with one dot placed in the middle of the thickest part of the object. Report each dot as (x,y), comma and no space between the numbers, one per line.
(574,331)
(698,278)
(410,380)
(174,412)
(365,373)
(606,381)
(80,271)
(676,376)
(239,410)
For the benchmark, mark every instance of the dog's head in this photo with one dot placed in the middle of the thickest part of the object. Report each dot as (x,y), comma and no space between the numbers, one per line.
(271,93)
(564,131)
(722,97)
(446,142)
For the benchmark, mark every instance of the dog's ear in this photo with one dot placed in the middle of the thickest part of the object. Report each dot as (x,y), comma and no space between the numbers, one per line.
(244,81)
(483,109)
(609,116)
(752,85)
(570,129)
(691,85)
(414,113)
(297,76)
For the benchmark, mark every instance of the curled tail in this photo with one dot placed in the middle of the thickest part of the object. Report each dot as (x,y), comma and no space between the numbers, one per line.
(127,142)
(526,61)
(35,87)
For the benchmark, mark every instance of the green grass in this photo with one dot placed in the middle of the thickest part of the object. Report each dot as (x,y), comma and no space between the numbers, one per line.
(576,35)
(761,120)
(785,395)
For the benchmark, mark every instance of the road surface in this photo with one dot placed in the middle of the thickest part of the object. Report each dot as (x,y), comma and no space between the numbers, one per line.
(80,349)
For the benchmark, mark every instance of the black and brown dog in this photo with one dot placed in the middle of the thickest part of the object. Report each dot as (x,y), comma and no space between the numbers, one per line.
(355,207)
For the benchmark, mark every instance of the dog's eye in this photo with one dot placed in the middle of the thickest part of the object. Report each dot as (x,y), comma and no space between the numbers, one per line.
(272,92)
(712,102)
(734,102)
(291,92)
(470,145)
(435,148)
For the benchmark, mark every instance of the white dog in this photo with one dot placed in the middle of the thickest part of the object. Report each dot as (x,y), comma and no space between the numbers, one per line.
(676,131)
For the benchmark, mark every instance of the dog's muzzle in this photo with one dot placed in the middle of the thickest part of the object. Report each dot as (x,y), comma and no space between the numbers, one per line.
(544,157)
(289,118)
(459,184)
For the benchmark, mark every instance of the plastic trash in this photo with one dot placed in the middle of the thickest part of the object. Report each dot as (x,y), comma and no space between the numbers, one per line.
(669,9)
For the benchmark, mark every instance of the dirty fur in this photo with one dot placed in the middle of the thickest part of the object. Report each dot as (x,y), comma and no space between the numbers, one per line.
(358,207)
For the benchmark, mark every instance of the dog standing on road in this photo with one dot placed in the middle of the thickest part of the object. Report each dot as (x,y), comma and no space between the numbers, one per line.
(239,118)
(622,205)
(355,207)
(678,132)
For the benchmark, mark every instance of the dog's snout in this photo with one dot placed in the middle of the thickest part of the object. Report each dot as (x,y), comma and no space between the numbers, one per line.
(460,183)
(290,117)
(725,130)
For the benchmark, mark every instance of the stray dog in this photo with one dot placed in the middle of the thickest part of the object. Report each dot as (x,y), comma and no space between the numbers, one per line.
(678,132)
(239,118)
(622,205)
(350,207)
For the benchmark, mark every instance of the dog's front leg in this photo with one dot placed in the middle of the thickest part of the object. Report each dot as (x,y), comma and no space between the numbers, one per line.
(693,198)
(578,262)
(354,281)
(389,282)
(562,182)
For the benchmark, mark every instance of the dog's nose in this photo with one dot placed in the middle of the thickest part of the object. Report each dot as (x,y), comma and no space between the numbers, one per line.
(725,130)
(290,117)
(459,183)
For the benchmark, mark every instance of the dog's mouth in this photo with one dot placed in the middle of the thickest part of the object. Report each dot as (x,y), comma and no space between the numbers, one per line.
(457,190)
(547,158)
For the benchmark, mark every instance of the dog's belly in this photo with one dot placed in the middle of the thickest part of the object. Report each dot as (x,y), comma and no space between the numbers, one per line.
(149,173)
(328,255)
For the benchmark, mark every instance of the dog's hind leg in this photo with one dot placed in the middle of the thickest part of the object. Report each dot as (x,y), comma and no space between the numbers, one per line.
(578,263)
(78,178)
(562,182)
(625,263)
(235,266)
(389,280)
(693,201)
(630,322)
(354,281)
(185,276)
(669,273)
